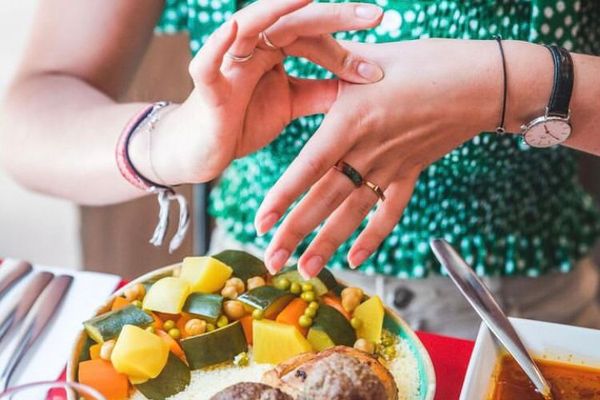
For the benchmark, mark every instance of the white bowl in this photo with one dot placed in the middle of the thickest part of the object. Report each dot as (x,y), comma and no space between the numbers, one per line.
(542,339)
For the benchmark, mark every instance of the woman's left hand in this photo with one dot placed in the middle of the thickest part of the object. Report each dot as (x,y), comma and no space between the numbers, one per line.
(436,94)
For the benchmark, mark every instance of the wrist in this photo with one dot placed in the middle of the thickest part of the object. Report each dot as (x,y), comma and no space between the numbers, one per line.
(530,73)
(149,152)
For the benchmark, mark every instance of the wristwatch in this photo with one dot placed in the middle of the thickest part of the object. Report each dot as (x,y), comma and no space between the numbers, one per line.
(554,126)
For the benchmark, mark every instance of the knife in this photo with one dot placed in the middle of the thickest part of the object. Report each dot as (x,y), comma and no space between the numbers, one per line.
(10,276)
(36,320)
(14,312)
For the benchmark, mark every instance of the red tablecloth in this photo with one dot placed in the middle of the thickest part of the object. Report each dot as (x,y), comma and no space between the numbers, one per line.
(450,357)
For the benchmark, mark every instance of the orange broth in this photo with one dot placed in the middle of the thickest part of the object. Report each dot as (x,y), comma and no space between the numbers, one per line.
(568,381)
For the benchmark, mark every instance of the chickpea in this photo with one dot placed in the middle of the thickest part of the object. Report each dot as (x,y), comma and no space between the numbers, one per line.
(255,282)
(234,309)
(135,292)
(229,292)
(351,298)
(106,349)
(237,283)
(364,345)
(195,327)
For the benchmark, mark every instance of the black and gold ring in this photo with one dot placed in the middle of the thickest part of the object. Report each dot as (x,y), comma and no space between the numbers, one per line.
(350,172)
(376,189)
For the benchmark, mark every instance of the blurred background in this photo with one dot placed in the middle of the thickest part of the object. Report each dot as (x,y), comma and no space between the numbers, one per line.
(113,239)
(32,226)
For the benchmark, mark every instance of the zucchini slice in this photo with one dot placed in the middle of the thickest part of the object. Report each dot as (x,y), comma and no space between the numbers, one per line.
(108,325)
(269,299)
(215,347)
(204,305)
(323,283)
(335,325)
(244,265)
(173,379)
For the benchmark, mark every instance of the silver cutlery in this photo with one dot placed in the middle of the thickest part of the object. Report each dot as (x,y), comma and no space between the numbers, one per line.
(36,320)
(484,303)
(13,313)
(10,276)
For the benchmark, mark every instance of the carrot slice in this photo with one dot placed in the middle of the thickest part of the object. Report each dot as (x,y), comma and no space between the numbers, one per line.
(158,323)
(118,303)
(95,351)
(335,302)
(102,376)
(173,345)
(247,327)
(292,312)
(180,324)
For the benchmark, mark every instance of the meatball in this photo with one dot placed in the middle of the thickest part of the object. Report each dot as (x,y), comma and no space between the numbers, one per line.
(342,377)
(250,391)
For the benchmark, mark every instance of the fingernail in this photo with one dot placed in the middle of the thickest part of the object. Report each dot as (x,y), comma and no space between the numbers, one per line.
(312,267)
(266,223)
(367,11)
(277,260)
(358,258)
(369,71)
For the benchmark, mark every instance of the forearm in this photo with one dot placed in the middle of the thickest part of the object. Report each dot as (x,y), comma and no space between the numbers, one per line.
(59,135)
(530,74)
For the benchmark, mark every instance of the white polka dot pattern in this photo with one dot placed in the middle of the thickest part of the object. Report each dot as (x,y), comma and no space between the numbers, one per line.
(507,207)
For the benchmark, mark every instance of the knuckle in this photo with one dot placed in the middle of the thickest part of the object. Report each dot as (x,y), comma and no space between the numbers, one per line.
(367,119)
(313,166)
(337,12)
(293,233)
(328,244)
(333,198)
(362,206)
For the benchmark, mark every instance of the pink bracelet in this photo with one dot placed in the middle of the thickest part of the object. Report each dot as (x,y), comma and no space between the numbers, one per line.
(126,167)
(148,116)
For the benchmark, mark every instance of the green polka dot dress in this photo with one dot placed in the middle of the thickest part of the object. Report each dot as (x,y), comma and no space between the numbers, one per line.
(510,209)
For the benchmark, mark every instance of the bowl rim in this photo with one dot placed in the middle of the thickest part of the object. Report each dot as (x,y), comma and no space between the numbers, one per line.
(422,357)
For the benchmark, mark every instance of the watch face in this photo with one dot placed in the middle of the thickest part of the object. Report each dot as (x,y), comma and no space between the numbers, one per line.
(547,132)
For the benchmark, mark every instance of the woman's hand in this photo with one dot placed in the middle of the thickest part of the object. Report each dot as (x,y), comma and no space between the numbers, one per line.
(436,94)
(238,107)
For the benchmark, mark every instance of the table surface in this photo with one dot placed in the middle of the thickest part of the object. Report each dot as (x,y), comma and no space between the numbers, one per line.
(450,357)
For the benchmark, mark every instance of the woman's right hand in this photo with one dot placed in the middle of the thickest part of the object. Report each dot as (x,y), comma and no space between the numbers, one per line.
(238,107)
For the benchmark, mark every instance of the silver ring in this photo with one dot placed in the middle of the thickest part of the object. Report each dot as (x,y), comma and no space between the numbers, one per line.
(239,59)
(267,41)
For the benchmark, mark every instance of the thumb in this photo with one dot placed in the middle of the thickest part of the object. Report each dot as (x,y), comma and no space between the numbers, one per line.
(312,96)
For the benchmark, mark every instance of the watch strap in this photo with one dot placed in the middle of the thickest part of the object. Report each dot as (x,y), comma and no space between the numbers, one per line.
(562,87)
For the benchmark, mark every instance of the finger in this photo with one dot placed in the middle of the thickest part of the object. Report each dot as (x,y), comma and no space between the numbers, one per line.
(383,221)
(317,19)
(312,96)
(205,67)
(340,225)
(322,199)
(317,156)
(328,53)
(257,17)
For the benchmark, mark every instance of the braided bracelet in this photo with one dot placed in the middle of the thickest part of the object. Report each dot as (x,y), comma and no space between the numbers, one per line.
(147,119)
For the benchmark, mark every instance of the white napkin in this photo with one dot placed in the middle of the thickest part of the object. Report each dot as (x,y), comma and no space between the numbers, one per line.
(47,358)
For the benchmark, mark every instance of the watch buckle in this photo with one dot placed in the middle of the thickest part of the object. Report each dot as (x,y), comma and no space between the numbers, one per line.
(567,118)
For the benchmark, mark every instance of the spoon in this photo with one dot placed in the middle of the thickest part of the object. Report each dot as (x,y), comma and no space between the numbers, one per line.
(480,297)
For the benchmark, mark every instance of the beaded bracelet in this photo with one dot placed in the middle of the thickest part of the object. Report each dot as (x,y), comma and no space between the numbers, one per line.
(147,119)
